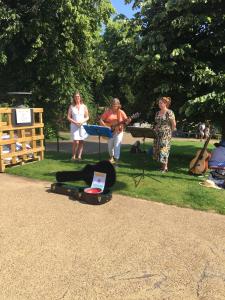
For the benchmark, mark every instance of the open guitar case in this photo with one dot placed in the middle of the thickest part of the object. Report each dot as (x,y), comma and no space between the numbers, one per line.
(86,174)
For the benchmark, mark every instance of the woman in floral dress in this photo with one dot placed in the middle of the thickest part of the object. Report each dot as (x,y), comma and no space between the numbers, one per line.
(165,124)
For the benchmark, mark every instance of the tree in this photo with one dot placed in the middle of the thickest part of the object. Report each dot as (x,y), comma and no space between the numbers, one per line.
(48,47)
(117,48)
(182,54)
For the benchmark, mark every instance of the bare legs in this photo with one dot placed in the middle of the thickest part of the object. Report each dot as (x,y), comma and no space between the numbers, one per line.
(80,149)
(74,149)
(77,149)
(164,167)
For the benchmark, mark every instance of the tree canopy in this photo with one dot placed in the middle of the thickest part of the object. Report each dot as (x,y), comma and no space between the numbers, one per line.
(118,46)
(169,47)
(181,53)
(49,46)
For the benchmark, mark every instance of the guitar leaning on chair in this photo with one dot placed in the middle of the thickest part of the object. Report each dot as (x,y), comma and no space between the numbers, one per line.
(199,164)
(114,125)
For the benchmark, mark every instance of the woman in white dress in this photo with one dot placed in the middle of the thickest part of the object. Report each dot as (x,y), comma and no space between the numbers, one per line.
(78,116)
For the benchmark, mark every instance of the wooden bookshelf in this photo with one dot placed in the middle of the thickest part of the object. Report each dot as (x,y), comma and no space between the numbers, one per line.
(20,144)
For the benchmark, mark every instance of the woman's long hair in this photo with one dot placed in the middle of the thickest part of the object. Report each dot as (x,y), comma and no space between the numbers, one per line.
(115,101)
(73,98)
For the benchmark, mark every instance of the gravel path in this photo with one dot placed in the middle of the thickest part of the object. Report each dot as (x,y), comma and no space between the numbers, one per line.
(55,248)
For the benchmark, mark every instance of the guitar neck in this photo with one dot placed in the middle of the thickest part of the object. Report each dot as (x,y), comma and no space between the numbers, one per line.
(204,147)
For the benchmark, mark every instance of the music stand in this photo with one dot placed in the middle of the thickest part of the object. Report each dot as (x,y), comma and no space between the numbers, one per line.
(98,131)
(141,132)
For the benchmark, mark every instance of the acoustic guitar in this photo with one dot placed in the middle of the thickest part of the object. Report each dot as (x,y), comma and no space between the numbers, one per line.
(113,126)
(199,164)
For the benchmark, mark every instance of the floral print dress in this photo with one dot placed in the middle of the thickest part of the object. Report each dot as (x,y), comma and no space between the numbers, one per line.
(163,134)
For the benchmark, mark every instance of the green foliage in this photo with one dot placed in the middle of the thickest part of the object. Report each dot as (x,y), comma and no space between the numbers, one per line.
(48,47)
(175,48)
(9,24)
(4,104)
(118,49)
(50,131)
(181,54)
(170,47)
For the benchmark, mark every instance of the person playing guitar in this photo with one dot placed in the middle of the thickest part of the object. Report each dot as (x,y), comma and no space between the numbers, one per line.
(115,118)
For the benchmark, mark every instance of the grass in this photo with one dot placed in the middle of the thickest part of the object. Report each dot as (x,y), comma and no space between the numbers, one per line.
(176,187)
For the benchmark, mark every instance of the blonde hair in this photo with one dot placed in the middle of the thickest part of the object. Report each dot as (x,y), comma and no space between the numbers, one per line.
(115,101)
(73,98)
(166,100)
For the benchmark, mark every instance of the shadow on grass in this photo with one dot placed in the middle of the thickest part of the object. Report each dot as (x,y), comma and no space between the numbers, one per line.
(180,157)
(64,157)
(137,165)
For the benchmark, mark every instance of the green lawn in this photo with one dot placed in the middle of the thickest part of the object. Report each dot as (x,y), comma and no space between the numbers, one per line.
(63,136)
(176,187)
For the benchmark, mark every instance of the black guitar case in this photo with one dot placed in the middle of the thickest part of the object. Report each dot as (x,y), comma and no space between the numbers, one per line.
(87,174)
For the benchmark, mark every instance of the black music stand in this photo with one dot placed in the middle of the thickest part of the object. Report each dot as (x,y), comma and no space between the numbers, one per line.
(98,131)
(141,132)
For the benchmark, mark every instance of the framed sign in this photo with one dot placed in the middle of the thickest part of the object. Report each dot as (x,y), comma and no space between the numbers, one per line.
(99,180)
(22,117)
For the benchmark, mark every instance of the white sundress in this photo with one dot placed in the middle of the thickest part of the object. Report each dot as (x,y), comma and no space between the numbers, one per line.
(78,133)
